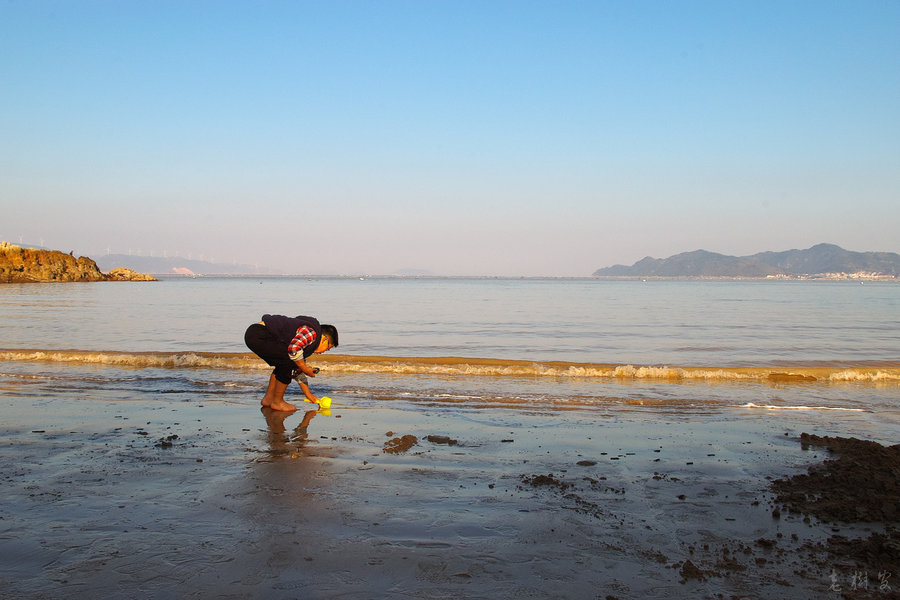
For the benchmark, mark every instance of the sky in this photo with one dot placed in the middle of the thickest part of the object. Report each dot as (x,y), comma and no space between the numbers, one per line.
(453,137)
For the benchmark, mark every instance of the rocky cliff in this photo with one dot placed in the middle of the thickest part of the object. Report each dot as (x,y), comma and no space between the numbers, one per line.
(27,265)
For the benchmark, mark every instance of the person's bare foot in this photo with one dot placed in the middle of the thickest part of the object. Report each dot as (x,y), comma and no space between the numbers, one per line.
(281,405)
(277,404)
(274,397)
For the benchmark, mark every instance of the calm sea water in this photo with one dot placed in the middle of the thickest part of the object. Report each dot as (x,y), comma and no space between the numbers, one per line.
(721,328)
(710,323)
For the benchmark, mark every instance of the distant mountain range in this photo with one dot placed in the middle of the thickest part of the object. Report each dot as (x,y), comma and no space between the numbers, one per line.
(176,266)
(822,260)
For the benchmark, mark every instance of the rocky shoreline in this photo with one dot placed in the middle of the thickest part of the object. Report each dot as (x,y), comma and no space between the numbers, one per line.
(27,265)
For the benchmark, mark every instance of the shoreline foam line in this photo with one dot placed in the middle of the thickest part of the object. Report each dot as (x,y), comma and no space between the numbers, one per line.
(885,374)
(773,407)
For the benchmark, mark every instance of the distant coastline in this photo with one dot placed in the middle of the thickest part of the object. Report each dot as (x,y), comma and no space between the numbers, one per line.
(820,262)
(823,262)
(179,266)
(858,277)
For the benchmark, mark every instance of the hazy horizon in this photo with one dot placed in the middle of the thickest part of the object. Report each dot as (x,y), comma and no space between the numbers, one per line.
(461,138)
(182,262)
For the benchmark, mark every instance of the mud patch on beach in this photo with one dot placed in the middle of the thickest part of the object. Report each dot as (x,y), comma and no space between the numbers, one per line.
(442,439)
(861,485)
(548,480)
(583,495)
(834,526)
(855,496)
(400,444)
(880,552)
(691,571)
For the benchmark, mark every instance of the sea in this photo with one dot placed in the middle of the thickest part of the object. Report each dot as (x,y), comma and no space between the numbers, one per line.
(601,348)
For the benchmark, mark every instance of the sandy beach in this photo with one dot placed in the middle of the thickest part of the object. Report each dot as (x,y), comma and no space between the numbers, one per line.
(221,500)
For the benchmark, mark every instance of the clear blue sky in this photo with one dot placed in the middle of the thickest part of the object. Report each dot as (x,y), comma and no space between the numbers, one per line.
(459,137)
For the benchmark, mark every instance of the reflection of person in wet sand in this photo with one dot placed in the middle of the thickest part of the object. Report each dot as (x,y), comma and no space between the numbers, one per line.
(275,420)
(277,438)
(285,343)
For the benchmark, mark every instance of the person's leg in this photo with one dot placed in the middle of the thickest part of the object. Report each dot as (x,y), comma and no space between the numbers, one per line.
(270,391)
(264,345)
(274,397)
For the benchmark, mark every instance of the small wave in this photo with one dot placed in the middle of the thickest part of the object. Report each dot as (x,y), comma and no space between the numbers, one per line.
(771,407)
(879,376)
(163,360)
(481,367)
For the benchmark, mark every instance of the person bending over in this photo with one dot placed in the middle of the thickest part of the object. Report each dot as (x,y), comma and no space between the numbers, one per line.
(285,343)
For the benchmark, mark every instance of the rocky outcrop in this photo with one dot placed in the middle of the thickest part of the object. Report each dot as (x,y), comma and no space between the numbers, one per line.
(27,265)
(126,274)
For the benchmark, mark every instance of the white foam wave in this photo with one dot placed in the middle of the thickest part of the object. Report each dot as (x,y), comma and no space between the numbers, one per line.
(851,375)
(471,367)
(773,407)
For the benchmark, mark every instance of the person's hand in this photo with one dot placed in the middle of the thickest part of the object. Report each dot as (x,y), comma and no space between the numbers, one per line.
(303,366)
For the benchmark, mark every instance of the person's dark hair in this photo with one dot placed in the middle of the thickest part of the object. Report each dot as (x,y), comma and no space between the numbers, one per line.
(330,331)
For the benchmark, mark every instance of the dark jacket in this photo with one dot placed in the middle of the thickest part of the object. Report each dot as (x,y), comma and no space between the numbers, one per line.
(285,328)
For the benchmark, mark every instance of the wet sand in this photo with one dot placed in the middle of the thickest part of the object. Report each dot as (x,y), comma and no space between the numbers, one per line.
(222,500)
